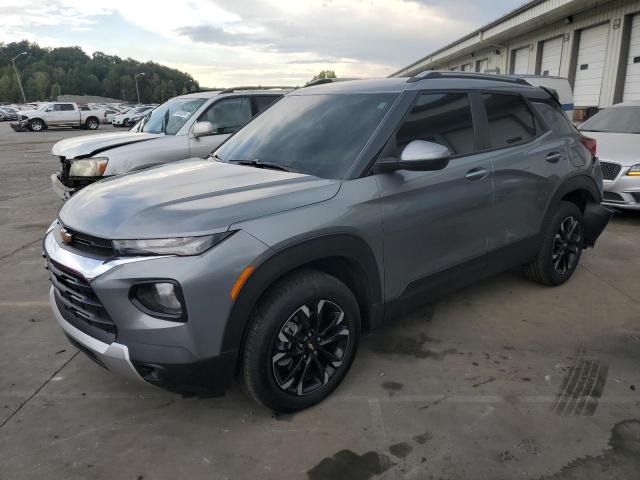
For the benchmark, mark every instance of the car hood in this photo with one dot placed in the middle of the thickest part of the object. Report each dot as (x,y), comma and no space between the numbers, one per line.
(88,145)
(190,197)
(623,148)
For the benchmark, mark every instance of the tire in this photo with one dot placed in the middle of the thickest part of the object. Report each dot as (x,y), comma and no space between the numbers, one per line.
(279,351)
(91,123)
(561,247)
(36,125)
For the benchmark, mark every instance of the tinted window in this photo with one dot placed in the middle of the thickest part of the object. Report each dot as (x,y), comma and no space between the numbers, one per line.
(63,107)
(228,115)
(263,101)
(320,135)
(443,118)
(555,119)
(614,120)
(510,120)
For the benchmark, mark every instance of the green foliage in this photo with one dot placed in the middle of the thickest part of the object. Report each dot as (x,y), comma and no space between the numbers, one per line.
(47,72)
(325,74)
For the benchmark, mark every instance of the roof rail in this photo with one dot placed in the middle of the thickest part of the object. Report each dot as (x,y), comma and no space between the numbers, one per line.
(474,75)
(256,87)
(321,81)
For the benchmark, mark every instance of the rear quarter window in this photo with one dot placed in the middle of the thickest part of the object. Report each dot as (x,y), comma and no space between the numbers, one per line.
(509,119)
(555,119)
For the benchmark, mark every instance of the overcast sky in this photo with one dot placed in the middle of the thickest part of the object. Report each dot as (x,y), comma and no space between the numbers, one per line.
(234,42)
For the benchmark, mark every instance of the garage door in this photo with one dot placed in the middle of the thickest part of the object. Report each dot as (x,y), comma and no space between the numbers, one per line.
(466,67)
(551,57)
(521,61)
(632,79)
(590,66)
(482,65)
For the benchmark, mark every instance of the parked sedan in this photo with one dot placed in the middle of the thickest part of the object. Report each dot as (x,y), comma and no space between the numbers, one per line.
(8,114)
(617,132)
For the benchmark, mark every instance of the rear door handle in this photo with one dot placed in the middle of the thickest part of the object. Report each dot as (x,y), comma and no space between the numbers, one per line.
(476,174)
(554,157)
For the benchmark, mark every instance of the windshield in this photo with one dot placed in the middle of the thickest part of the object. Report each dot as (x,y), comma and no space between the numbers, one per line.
(318,135)
(170,116)
(614,120)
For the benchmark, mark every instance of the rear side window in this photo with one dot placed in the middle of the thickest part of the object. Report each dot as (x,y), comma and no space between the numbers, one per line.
(443,118)
(66,107)
(555,119)
(510,120)
(262,102)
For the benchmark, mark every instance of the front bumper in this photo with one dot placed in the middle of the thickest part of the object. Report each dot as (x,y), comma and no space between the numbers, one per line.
(60,189)
(114,356)
(623,191)
(190,358)
(21,126)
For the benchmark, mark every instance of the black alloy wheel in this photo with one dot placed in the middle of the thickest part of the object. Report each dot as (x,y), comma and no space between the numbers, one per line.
(310,347)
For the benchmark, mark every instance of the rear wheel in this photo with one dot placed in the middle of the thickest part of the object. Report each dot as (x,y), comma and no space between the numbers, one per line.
(301,343)
(91,123)
(36,125)
(561,247)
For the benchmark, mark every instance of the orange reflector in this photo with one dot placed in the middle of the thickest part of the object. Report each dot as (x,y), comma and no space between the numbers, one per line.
(244,274)
(102,166)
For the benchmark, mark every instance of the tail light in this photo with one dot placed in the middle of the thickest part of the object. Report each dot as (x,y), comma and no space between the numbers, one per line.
(590,144)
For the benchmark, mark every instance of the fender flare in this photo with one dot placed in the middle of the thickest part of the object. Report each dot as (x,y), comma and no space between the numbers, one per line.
(277,264)
(580,181)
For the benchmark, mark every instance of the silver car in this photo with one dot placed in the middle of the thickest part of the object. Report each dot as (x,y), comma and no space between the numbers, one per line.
(187,126)
(617,132)
(339,207)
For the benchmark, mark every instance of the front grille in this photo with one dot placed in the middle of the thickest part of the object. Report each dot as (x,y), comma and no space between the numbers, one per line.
(90,244)
(610,170)
(79,304)
(612,197)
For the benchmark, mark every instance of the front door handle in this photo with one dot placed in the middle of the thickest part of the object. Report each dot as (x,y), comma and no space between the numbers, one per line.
(476,174)
(554,157)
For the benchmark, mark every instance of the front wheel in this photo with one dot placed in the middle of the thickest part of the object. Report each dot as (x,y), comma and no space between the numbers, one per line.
(302,340)
(36,125)
(561,247)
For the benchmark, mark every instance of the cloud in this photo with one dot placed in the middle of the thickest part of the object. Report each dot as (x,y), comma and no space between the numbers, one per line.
(226,42)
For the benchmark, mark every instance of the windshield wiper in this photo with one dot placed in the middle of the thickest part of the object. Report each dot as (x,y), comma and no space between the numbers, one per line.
(165,122)
(260,164)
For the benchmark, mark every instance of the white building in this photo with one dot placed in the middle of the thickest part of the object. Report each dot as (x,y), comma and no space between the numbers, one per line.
(595,44)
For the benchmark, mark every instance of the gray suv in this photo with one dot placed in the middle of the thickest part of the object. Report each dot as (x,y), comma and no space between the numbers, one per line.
(339,207)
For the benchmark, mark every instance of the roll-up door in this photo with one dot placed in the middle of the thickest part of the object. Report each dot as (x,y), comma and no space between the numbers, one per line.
(551,57)
(632,78)
(590,66)
(521,61)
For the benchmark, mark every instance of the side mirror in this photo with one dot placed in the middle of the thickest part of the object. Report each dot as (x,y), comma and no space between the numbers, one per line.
(202,129)
(418,155)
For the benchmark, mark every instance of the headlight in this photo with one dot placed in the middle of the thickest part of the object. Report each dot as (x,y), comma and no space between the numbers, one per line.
(182,246)
(88,167)
(634,171)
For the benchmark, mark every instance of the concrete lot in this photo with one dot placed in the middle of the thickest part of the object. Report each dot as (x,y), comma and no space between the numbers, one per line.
(503,380)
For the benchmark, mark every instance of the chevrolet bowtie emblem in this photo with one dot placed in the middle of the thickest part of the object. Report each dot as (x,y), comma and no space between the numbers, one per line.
(66,236)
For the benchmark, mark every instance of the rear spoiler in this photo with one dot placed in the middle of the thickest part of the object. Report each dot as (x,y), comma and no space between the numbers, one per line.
(554,94)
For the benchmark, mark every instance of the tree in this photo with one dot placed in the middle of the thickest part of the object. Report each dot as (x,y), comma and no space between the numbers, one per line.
(47,71)
(325,74)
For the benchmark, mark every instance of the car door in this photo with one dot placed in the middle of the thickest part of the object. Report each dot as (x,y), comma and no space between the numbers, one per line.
(528,161)
(226,115)
(68,115)
(436,221)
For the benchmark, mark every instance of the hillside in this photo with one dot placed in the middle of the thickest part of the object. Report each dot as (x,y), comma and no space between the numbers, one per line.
(48,72)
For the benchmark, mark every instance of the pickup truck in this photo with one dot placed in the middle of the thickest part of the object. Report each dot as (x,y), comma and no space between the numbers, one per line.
(58,114)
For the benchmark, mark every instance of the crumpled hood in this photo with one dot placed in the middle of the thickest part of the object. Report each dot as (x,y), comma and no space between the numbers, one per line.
(623,148)
(91,144)
(190,197)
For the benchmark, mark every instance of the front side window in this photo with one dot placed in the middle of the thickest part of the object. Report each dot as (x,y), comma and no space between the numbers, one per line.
(443,118)
(614,120)
(319,135)
(169,117)
(510,120)
(228,115)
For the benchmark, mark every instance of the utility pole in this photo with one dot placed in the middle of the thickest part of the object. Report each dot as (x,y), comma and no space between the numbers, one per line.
(15,69)
(136,80)
(123,95)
